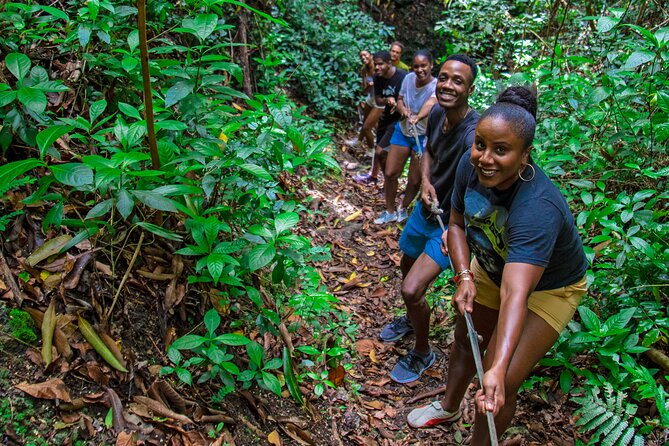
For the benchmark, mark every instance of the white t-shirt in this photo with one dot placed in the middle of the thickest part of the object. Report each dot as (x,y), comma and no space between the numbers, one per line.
(414,98)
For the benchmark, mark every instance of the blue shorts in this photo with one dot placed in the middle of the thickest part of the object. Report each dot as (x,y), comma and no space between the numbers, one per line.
(420,235)
(400,139)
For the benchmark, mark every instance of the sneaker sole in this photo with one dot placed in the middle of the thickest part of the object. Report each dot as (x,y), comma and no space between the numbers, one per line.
(406,381)
(435,421)
(396,338)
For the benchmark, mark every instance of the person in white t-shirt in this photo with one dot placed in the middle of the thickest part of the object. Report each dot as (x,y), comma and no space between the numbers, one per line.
(414,103)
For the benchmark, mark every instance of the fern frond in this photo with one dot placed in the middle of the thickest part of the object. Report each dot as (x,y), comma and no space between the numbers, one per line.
(638,441)
(616,429)
(5,219)
(588,413)
(598,421)
(4,188)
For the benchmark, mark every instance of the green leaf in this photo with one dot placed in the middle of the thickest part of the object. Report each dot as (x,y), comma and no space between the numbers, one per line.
(54,217)
(57,13)
(72,174)
(133,40)
(155,201)
(261,255)
(7,97)
(14,169)
(291,380)
(257,171)
(272,382)
(606,24)
(170,124)
(566,378)
(178,91)
(188,342)
(51,86)
(125,204)
(212,320)
(96,109)
(309,350)
(18,64)
(33,99)
(185,376)
(160,231)
(215,264)
(204,25)
(100,209)
(129,110)
(255,352)
(589,319)
(48,136)
(638,58)
(286,221)
(232,339)
(84,34)
(663,101)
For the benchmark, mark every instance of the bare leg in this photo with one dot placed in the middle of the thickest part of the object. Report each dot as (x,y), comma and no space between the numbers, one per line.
(371,120)
(461,367)
(537,338)
(420,276)
(413,181)
(397,158)
(379,163)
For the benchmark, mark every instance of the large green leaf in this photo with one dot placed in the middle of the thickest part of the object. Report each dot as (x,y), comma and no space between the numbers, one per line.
(257,171)
(589,319)
(48,136)
(286,221)
(57,13)
(232,339)
(212,320)
(155,201)
(33,99)
(124,203)
(291,380)
(160,231)
(100,209)
(638,58)
(188,342)
(7,97)
(178,91)
(261,255)
(18,64)
(215,264)
(271,382)
(256,353)
(203,25)
(96,109)
(12,170)
(72,174)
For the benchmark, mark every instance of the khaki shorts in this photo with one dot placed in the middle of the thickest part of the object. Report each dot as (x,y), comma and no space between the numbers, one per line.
(556,306)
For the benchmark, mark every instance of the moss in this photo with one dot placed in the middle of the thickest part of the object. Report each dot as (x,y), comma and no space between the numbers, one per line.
(21,326)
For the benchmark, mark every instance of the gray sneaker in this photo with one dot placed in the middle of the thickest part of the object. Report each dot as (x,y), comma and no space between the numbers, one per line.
(411,367)
(396,330)
(386,217)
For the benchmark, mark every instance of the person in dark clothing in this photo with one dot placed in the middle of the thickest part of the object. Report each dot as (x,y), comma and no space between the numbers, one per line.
(527,275)
(387,83)
(450,132)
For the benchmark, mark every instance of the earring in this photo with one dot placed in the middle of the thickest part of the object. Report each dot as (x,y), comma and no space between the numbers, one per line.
(522,169)
(472,164)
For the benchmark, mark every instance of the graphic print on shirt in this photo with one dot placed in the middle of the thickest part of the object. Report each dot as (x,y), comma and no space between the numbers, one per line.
(389,90)
(486,232)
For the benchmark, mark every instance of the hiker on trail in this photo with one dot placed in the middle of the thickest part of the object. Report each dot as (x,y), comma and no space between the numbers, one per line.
(414,103)
(396,49)
(387,83)
(450,132)
(368,111)
(527,275)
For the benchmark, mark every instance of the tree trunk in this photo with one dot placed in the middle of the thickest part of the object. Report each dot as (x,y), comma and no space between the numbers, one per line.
(244,52)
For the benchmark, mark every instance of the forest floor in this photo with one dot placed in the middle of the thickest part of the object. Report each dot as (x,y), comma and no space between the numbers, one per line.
(69,402)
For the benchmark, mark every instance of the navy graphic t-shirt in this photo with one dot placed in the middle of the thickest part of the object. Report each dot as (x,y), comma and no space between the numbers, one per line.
(528,223)
(386,88)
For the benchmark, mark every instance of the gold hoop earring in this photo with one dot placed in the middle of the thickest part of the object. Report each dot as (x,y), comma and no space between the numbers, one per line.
(520,173)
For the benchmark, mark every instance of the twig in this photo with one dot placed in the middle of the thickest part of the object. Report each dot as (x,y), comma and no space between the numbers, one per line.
(9,278)
(424,395)
(125,276)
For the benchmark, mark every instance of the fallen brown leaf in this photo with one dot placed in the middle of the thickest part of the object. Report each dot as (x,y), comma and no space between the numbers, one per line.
(53,389)
(125,439)
(273,438)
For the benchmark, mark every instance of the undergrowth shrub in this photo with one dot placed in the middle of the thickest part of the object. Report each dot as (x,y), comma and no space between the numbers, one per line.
(317,53)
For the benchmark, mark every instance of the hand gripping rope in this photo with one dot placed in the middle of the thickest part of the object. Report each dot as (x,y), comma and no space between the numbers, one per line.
(473,339)
(419,151)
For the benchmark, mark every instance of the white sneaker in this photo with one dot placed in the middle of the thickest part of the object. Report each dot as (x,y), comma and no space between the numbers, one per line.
(431,415)
(386,217)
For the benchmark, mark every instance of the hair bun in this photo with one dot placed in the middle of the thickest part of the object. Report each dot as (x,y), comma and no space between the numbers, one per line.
(521,96)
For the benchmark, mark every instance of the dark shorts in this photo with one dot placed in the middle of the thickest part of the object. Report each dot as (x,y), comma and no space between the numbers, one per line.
(422,236)
(383,134)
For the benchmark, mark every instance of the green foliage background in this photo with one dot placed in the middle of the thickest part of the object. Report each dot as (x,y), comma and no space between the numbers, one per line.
(221,195)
